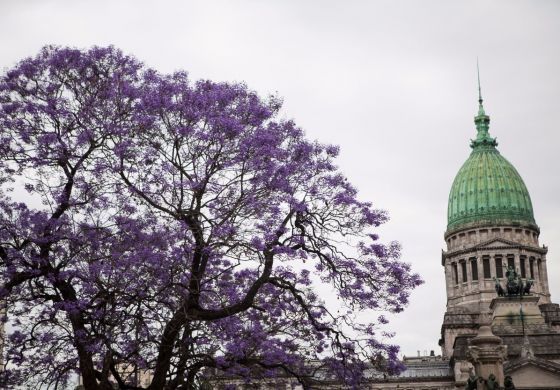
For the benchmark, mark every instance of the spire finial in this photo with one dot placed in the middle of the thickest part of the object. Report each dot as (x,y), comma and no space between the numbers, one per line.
(482,121)
(478,73)
(480,106)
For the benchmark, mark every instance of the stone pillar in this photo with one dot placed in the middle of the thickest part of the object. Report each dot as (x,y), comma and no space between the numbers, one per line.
(544,281)
(492,256)
(480,271)
(487,353)
(518,261)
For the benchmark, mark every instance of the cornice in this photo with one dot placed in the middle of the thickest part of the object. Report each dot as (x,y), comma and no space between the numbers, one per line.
(491,224)
(483,247)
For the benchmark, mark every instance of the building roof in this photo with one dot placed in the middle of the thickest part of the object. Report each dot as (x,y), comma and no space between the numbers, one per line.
(488,189)
(426,367)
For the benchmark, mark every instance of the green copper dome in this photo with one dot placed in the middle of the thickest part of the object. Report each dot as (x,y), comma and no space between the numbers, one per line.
(487,189)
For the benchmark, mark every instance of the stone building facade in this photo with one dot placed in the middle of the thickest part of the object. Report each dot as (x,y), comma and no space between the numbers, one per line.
(493,249)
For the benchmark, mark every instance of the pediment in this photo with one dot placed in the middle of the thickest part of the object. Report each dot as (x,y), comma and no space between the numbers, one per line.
(533,373)
(496,243)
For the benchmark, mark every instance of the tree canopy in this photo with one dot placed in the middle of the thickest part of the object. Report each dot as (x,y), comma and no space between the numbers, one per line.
(173,226)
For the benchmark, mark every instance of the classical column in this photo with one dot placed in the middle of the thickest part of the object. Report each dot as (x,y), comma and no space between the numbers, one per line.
(544,281)
(518,261)
(480,270)
(492,264)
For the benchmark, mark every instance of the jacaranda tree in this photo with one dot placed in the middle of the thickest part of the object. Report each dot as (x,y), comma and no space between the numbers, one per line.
(153,224)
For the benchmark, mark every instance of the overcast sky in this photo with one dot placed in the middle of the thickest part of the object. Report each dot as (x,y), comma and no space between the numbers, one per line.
(392,82)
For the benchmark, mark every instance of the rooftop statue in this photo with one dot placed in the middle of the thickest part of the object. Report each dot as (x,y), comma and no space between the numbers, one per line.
(492,383)
(528,286)
(508,383)
(499,289)
(511,274)
(514,284)
(471,382)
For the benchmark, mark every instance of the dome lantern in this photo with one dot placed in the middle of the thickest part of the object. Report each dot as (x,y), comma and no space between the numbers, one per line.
(482,122)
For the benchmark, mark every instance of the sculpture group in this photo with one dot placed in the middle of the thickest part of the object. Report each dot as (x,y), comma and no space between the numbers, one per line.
(514,285)
(474,383)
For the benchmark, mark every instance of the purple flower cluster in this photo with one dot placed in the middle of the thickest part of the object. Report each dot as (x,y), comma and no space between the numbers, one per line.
(178,228)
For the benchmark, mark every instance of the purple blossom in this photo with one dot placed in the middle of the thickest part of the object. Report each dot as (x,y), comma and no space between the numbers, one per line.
(183,229)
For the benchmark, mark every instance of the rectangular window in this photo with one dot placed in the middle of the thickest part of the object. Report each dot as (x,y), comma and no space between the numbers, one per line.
(464,270)
(523,269)
(455,275)
(532,267)
(511,261)
(486,267)
(474,269)
(539,269)
(499,267)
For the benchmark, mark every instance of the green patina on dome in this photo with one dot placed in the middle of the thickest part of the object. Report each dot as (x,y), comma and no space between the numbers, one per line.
(487,188)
